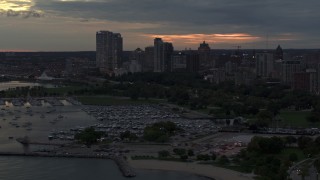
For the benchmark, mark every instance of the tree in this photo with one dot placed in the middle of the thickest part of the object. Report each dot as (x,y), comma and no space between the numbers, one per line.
(89,136)
(304,142)
(290,140)
(128,135)
(314,117)
(264,118)
(203,157)
(160,132)
(293,157)
(190,152)
(179,151)
(213,156)
(223,160)
(163,154)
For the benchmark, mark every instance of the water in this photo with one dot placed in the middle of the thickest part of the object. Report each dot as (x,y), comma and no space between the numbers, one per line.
(31,168)
(39,168)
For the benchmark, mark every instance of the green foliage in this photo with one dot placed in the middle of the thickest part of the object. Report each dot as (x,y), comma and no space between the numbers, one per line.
(190,152)
(163,154)
(290,140)
(223,160)
(89,136)
(316,164)
(293,157)
(179,151)
(265,145)
(128,135)
(160,132)
(203,157)
(264,118)
(213,157)
(184,157)
(304,142)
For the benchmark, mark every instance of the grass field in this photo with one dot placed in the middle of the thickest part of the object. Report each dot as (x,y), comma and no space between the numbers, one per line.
(288,151)
(110,100)
(63,90)
(296,119)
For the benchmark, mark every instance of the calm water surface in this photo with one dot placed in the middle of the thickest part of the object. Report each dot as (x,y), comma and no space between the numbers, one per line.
(39,168)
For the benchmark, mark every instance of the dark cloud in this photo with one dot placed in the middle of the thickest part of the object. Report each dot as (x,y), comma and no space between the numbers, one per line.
(294,22)
(23,14)
(258,15)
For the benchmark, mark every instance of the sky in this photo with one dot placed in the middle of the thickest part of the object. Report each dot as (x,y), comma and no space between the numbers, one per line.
(70,25)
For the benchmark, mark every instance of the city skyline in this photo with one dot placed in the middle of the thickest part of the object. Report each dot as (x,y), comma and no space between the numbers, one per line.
(70,25)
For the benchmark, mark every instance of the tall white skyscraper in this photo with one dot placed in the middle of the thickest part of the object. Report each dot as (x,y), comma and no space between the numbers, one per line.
(109,47)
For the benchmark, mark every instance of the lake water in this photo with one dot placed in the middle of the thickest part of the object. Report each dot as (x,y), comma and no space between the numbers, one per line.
(38,168)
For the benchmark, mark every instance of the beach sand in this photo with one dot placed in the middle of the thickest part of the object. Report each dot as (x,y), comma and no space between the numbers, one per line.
(209,171)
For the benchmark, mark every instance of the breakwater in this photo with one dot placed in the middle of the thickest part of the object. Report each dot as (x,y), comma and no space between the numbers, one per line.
(124,167)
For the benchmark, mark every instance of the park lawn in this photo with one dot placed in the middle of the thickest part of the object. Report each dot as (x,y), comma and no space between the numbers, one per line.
(112,100)
(296,119)
(288,151)
(64,90)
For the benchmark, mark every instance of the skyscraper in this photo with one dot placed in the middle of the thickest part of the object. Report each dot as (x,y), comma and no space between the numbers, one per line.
(264,65)
(109,48)
(162,55)
(149,59)
(158,55)
(205,56)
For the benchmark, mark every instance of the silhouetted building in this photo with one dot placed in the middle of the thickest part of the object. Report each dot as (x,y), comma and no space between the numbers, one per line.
(162,55)
(289,68)
(148,65)
(205,56)
(278,53)
(109,47)
(264,65)
(179,62)
(306,81)
(193,64)
(138,55)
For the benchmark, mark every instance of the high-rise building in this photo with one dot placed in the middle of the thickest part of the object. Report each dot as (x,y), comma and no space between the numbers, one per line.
(158,55)
(179,62)
(193,64)
(162,55)
(139,56)
(205,56)
(109,47)
(167,53)
(148,66)
(306,81)
(278,55)
(289,68)
(264,65)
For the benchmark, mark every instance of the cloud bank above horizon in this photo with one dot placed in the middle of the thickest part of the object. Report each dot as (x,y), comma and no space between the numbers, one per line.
(71,24)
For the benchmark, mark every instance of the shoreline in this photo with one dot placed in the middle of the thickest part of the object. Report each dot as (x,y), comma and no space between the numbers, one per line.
(211,172)
(122,164)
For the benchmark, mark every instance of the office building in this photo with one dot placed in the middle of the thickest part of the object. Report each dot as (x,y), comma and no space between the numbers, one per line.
(109,47)
(162,55)
(264,65)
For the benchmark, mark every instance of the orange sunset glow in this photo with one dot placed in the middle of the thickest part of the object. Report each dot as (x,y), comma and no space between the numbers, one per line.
(210,38)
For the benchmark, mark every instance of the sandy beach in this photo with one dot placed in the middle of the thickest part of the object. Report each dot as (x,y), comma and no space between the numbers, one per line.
(216,173)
